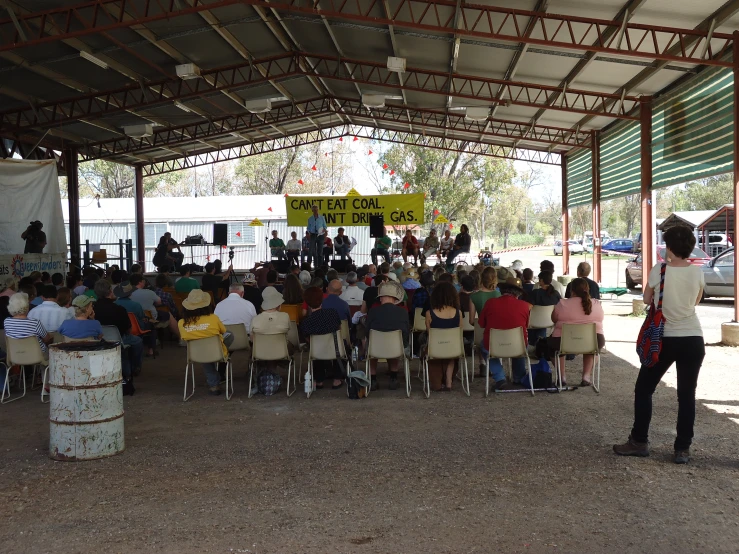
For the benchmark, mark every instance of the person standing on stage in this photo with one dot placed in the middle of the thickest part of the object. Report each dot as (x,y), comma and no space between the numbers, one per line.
(317,229)
(35,238)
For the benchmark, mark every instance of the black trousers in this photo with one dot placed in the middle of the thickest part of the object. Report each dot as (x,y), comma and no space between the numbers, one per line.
(687,354)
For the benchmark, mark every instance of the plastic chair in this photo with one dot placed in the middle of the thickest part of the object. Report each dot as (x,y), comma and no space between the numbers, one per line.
(323,347)
(581,338)
(135,328)
(419,326)
(508,343)
(271,348)
(467,327)
(207,351)
(387,345)
(178,297)
(445,344)
(541,317)
(345,335)
(241,337)
(293,337)
(23,352)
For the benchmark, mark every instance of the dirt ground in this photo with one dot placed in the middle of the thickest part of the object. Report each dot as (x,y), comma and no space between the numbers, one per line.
(453,474)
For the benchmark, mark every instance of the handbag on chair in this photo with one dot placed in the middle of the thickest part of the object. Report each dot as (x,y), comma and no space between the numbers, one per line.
(649,343)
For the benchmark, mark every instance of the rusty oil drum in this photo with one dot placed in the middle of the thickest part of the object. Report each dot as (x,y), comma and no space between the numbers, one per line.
(86,400)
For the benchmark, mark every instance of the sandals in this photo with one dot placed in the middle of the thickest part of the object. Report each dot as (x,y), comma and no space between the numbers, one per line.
(585,383)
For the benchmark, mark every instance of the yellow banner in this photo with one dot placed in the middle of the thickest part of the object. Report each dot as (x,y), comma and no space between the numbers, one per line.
(398,209)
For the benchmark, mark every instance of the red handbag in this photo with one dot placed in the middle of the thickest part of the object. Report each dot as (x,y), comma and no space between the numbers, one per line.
(649,343)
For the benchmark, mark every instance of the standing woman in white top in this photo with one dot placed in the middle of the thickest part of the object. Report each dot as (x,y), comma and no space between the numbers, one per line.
(682,344)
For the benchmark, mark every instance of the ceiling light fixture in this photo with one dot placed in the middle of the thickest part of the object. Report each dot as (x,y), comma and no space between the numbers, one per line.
(396,64)
(90,58)
(477,113)
(181,106)
(187,71)
(258,106)
(139,131)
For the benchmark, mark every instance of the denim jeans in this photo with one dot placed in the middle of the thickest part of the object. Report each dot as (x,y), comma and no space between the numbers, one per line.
(535,335)
(133,356)
(316,248)
(278,253)
(495,366)
(292,257)
(687,354)
(381,252)
(305,255)
(342,250)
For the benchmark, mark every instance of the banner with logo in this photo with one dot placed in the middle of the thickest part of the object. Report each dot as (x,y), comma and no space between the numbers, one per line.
(398,209)
(22,265)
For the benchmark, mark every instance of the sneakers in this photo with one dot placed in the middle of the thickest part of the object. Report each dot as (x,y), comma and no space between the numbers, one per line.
(681,456)
(502,385)
(632,448)
(393,382)
(214,391)
(374,386)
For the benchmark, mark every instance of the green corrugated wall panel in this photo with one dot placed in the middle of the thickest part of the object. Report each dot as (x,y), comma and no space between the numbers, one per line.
(620,161)
(698,119)
(579,178)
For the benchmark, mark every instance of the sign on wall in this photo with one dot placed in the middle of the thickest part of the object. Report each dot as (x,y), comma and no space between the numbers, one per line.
(398,209)
(22,265)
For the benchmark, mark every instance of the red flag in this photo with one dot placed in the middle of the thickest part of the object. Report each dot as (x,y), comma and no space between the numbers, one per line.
(407,185)
(269,209)
(392,172)
(355,139)
(300,182)
(238,233)
(451,226)
(314,168)
(207,258)
(369,153)
(223,246)
(384,166)
(341,139)
(436,212)
(325,154)
(286,195)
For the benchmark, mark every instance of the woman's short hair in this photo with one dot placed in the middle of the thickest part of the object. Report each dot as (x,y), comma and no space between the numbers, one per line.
(313,296)
(489,278)
(81,311)
(468,283)
(444,295)
(680,241)
(18,304)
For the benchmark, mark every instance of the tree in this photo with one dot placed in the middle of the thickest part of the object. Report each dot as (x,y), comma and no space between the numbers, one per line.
(508,211)
(107,179)
(703,194)
(454,183)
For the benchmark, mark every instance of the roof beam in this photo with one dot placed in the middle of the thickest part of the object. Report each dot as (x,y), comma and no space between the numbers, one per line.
(396,53)
(334,132)
(321,107)
(482,21)
(165,91)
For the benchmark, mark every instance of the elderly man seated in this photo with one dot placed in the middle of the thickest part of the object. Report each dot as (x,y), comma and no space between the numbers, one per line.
(388,316)
(234,310)
(352,295)
(277,246)
(49,313)
(410,246)
(19,326)
(333,300)
(431,246)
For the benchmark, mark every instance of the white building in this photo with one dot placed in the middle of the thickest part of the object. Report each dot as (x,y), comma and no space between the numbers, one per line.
(114,219)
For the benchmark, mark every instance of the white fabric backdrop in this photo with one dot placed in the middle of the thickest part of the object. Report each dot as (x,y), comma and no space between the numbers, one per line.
(29,191)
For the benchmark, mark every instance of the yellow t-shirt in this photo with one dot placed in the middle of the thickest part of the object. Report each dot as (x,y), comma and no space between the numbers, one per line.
(204,327)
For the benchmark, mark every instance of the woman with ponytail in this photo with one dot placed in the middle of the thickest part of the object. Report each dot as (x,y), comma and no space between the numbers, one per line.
(581,308)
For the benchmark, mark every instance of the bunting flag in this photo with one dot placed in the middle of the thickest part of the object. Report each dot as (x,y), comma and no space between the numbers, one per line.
(369,153)
(355,139)
(353,192)
(406,186)
(341,139)
(208,257)
(314,168)
(256,223)
(238,233)
(451,226)
(384,166)
(436,212)
(269,209)
(325,154)
(392,172)
(286,195)
(300,182)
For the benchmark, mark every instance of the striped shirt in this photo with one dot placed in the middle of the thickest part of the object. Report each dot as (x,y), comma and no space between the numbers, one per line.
(50,314)
(24,328)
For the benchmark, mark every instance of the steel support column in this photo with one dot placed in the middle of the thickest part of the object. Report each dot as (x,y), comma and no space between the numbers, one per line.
(647,212)
(565,220)
(140,237)
(736,162)
(73,196)
(595,182)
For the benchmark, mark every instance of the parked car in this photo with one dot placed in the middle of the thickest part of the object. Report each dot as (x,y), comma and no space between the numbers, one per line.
(637,243)
(573,246)
(618,245)
(634,267)
(719,275)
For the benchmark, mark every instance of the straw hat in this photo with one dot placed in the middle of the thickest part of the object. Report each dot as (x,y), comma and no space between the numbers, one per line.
(411,273)
(512,283)
(271,299)
(196,299)
(392,289)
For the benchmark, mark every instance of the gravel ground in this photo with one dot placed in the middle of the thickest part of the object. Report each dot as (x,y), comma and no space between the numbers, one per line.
(453,474)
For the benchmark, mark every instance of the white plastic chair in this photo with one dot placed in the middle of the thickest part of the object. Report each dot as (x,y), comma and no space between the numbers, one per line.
(387,345)
(581,338)
(322,347)
(24,352)
(207,351)
(293,337)
(479,334)
(541,317)
(271,348)
(112,334)
(445,344)
(419,326)
(508,344)
(345,334)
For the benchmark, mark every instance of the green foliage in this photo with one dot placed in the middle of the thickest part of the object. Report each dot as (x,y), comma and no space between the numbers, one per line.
(517,240)
(703,194)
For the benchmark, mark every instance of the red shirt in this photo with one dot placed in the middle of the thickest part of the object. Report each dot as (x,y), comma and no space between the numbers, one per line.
(504,313)
(413,240)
